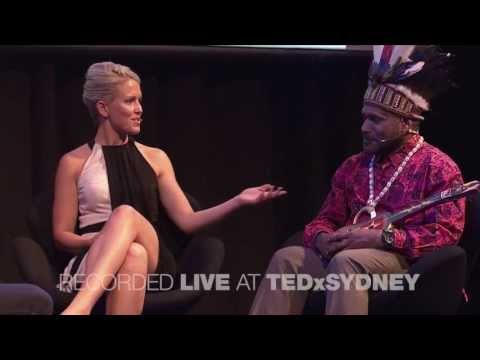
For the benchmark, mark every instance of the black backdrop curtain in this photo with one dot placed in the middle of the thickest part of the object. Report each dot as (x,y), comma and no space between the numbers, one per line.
(228,119)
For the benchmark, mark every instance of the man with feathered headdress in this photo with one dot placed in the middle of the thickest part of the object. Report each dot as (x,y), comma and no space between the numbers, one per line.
(395,170)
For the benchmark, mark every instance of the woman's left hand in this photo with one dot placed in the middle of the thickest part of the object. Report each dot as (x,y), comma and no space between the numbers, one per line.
(261,194)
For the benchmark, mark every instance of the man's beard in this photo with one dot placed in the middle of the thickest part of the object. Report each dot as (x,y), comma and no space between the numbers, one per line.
(384,147)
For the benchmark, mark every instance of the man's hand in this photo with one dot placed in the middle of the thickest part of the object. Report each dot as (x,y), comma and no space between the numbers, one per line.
(324,243)
(330,244)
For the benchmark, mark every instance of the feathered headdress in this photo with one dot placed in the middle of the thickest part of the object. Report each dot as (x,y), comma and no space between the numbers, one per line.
(404,79)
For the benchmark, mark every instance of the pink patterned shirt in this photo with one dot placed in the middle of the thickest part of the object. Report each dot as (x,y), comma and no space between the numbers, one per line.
(429,171)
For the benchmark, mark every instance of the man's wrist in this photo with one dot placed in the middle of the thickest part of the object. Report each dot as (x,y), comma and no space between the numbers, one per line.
(388,237)
(319,237)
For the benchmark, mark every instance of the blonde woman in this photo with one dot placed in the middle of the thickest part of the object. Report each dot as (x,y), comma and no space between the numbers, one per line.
(114,188)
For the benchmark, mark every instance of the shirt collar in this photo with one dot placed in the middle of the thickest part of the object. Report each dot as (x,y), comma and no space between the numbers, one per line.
(396,157)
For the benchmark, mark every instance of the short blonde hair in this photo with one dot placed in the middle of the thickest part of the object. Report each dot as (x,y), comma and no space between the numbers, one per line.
(101,80)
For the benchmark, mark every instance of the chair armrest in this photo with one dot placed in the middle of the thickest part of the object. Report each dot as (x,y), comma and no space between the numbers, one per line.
(33,264)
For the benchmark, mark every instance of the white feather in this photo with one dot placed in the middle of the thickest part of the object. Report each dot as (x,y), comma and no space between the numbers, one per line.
(377,53)
(414,69)
(401,51)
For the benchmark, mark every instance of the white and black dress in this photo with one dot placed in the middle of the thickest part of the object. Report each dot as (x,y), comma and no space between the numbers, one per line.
(117,175)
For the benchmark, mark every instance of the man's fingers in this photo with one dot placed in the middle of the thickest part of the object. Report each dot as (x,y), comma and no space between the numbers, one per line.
(337,246)
(337,237)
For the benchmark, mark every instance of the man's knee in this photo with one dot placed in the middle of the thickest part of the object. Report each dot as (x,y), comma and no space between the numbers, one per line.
(286,254)
(345,261)
(289,258)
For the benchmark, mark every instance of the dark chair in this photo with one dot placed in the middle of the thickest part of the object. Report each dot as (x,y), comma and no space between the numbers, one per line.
(41,263)
(444,276)
(24,299)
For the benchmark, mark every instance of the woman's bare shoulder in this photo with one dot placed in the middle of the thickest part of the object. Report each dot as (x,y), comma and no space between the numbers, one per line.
(155,156)
(74,160)
(151,151)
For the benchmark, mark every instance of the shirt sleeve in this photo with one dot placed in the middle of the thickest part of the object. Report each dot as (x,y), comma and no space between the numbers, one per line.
(334,211)
(440,225)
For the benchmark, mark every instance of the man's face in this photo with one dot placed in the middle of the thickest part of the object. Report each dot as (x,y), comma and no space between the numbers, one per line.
(379,124)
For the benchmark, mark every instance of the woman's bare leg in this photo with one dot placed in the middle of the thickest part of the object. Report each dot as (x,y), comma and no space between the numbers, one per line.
(128,296)
(108,253)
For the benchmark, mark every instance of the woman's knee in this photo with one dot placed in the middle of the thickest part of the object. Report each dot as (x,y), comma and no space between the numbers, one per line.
(136,258)
(125,212)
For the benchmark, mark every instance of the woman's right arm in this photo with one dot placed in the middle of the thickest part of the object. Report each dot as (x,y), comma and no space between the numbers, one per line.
(65,206)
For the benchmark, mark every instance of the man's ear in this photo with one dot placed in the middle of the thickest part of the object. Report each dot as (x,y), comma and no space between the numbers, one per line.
(406,123)
(411,126)
(102,108)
